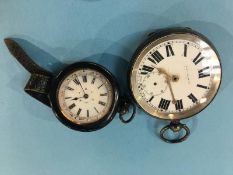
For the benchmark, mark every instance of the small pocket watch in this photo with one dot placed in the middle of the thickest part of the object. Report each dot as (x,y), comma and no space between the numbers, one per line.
(174,75)
(84,96)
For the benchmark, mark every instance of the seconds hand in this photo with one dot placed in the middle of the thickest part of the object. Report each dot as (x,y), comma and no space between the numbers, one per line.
(81,86)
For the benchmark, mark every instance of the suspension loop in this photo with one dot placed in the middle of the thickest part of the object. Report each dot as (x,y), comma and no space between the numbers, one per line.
(124,109)
(175,127)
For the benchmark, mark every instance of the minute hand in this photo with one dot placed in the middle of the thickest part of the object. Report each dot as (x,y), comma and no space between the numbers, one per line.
(168,80)
(81,86)
(170,87)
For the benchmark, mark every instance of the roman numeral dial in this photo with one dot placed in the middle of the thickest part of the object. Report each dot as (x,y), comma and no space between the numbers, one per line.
(175,76)
(86,96)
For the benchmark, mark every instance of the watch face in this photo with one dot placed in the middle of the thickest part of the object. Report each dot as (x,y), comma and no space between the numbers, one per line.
(85,96)
(176,75)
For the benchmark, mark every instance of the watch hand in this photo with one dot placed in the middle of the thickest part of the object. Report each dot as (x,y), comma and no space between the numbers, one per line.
(81,86)
(162,71)
(170,88)
(173,78)
(76,98)
(168,80)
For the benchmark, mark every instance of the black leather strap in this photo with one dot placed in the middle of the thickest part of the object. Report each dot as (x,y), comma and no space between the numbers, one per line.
(38,87)
(39,83)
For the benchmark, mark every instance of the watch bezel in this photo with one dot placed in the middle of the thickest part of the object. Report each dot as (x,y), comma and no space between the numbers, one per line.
(160,35)
(89,126)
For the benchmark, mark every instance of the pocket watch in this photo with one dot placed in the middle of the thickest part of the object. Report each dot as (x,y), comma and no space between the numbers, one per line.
(84,96)
(174,75)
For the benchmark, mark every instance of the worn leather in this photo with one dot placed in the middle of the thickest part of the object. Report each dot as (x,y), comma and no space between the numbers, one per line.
(38,85)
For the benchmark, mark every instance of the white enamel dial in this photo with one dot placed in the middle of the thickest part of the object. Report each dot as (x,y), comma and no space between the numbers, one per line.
(85,96)
(176,76)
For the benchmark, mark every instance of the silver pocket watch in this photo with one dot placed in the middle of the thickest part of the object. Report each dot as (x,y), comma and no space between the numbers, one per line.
(174,75)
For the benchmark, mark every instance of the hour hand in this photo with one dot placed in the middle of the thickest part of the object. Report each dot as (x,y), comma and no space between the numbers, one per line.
(76,98)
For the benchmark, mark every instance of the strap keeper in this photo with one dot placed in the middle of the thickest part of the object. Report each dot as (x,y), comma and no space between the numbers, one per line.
(38,87)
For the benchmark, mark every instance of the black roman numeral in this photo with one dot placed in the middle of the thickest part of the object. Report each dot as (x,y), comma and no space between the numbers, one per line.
(169,51)
(72,106)
(164,104)
(151,98)
(102,103)
(202,86)
(202,73)
(192,97)
(104,94)
(157,57)
(79,111)
(179,105)
(84,78)
(198,59)
(146,69)
(76,81)
(100,85)
(185,50)
(93,80)
(96,110)
(69,88)
(87,113)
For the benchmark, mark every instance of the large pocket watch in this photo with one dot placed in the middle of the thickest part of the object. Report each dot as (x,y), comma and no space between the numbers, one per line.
(174,75)
(84,96)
